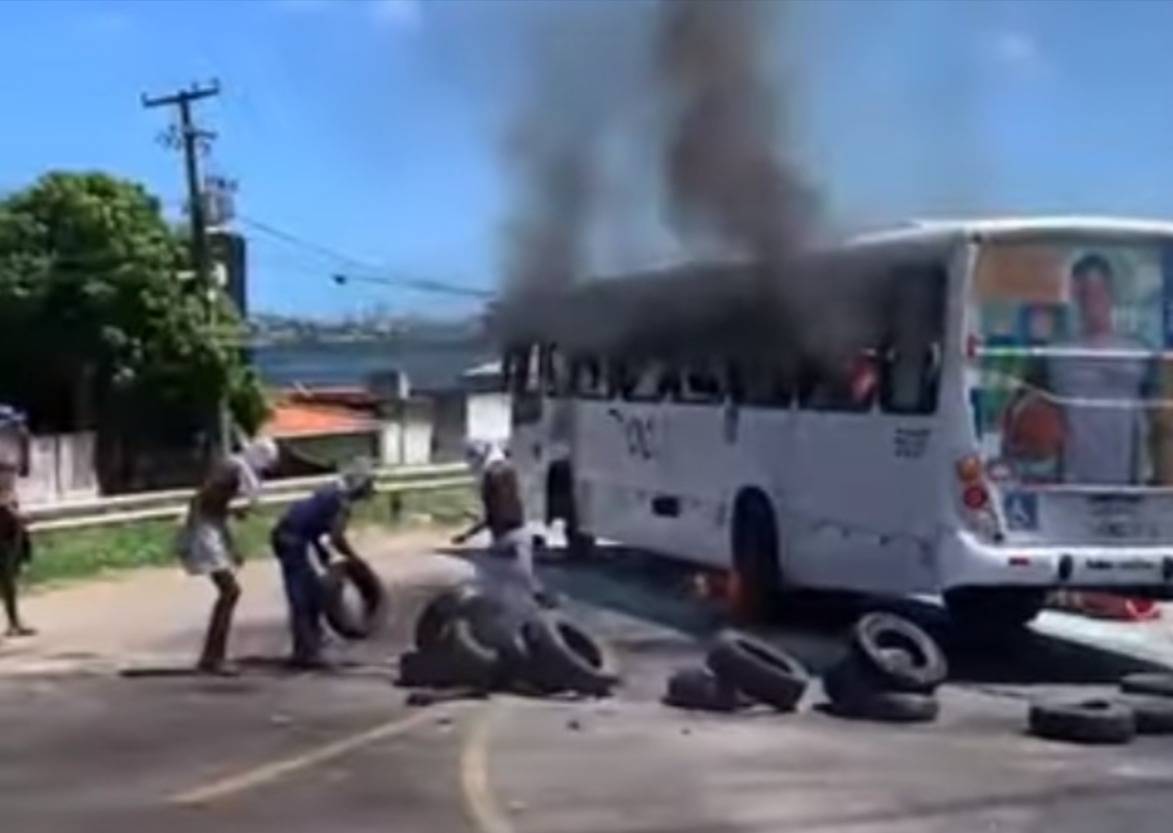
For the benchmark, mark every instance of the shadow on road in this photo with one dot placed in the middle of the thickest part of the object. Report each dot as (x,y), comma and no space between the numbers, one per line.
(814,625)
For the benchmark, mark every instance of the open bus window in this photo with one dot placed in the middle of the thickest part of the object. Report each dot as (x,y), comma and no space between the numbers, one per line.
(839,384)
(555,373)
(911,371)
(586,378)
(767,386)
(648,382)
(701,384)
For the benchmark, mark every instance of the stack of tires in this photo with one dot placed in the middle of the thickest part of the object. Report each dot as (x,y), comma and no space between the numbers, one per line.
(1145,707)
(739,671)
(890,673)
(465,638)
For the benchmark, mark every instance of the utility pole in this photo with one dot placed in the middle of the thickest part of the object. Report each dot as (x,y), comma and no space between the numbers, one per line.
(189,139)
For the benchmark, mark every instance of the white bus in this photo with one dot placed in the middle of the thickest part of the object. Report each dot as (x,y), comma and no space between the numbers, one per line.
(973,409)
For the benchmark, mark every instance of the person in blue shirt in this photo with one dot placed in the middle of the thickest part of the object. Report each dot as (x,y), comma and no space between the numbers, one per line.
(317,523)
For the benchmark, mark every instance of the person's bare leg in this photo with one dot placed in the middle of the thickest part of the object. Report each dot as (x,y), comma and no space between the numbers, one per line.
(219,626)
(9,570)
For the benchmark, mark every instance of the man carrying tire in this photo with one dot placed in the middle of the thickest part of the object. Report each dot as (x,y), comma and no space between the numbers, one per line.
(205,545)
(304,526)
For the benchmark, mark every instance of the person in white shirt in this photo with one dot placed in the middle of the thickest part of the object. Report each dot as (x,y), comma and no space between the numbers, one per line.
(1101,396)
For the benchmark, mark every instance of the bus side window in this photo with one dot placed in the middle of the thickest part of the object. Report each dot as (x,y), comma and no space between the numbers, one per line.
(555,374)
(845,383)
(669,386)
(648,384)
(911,363)
(586,378)
(701,384)
(766,385)
(620,379)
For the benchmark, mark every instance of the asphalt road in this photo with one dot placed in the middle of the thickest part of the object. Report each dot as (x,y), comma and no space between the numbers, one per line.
(270,751)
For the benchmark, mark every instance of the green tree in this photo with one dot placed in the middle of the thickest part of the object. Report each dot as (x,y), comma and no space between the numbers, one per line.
(102,323)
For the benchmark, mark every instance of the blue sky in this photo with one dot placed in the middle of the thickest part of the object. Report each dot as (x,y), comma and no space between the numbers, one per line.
(375,129)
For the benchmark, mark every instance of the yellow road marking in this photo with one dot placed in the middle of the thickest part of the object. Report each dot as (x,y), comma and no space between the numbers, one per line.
(270,772)
(482,806)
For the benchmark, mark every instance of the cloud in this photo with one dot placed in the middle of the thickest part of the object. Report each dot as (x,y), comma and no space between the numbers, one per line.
(398,14)
(1017,50)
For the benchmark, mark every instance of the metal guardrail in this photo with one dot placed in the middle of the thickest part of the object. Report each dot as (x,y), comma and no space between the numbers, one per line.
(173,503)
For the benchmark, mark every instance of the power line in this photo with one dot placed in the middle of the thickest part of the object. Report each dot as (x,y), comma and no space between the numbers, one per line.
(296,240)
(416,284)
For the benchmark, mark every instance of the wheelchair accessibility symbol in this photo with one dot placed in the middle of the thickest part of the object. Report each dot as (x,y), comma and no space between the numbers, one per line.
(1022,511)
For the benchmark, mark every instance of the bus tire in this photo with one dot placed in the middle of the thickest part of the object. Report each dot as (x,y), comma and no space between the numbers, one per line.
(755,556)
(997,609)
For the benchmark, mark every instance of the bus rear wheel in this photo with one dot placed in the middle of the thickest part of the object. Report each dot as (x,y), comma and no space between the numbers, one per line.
(994,609)
(756,575)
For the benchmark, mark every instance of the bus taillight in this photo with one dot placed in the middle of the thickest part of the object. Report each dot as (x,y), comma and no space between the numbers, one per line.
(975,497)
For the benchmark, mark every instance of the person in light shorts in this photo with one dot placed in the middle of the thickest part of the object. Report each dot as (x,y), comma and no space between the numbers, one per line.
(205,544)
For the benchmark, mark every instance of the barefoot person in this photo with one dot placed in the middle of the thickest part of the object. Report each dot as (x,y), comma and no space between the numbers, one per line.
(305,526)
(15,547)
(205,544)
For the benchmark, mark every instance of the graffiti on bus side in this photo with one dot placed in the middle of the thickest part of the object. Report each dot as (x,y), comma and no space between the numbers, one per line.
(639,433)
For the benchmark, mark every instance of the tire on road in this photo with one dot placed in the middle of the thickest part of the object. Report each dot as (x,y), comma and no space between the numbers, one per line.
(433,620)
(427,669)
(1159,684)
(343,620)
(1154,714)
(496,626)
(468,660)
(854,692)
(900,655)
(700,689)
(758,670)
(563,657)
(1085,721)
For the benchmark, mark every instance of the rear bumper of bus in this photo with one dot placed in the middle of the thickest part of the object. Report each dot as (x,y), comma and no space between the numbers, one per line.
(966,561)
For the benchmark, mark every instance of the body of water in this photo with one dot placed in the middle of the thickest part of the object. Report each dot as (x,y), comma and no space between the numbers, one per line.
(429,366)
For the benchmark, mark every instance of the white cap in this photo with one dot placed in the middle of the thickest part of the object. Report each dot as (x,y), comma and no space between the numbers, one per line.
(261,454)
